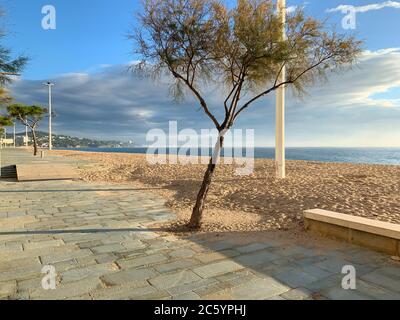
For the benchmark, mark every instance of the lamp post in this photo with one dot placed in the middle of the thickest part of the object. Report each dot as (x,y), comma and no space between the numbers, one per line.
(280,106)
(26,136)
(50,85)
(14,136)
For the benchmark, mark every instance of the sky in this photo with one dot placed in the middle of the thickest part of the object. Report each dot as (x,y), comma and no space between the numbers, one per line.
(95,95)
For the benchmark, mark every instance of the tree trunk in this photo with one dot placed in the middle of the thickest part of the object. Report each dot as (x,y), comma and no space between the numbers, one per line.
(35,146)
(197,213)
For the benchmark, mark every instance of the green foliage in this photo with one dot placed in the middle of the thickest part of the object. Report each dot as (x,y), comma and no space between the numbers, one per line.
(6,122)
(5,97)
(18,110)
(242,49)
(9,66)
(28,115)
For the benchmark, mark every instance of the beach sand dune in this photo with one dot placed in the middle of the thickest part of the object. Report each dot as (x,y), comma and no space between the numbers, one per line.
(259,201)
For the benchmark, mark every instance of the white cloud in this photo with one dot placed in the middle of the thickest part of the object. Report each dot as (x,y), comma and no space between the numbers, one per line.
(114,104)
(376,73)
(366,8)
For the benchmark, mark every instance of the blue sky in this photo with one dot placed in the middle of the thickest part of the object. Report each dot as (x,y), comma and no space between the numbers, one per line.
(95,96)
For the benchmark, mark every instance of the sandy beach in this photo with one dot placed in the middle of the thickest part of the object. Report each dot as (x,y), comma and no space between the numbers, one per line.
(259,201)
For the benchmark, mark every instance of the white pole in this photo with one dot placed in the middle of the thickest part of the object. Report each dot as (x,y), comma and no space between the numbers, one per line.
(26,136)
(50,133)
(49,85)
(280,108)
(14,136)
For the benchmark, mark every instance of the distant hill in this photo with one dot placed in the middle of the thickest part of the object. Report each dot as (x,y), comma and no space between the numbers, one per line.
(65,141)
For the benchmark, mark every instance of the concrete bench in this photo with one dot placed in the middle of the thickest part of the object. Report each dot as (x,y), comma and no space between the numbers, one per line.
(376,235)
(43,172)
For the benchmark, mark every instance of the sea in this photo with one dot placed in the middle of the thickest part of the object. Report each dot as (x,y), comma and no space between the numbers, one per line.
(384,156)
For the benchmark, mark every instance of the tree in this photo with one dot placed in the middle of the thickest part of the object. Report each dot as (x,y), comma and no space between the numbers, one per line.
(240,49)
(5,97)
(9,67)
(4,122)
(29,116)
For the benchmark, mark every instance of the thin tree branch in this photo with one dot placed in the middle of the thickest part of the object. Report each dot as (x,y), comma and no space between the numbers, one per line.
(273,88)
(199,97)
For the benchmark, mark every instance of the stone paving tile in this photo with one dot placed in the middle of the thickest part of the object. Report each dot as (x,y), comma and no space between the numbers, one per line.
(333,281)
(66,265)
(334,265)
(340,294)
(18,263)
(138,276)
(376,292)
(383,279)
(192,286)
(96,270)
(253,247)
(142,261)
(67,290)
(126,292)
(276,298)
(242,280)
(226,277)
(295,277)
(43,244)
(297,294)
(133,245)
(158,295)
(211,289)
(10,249)
(365,257)
(207,257)
(32,254)
(176,265)
(259,289)
(310,260)
(257,258)
(174,279)
(64,256)
(316,272)
(218,268)
(219,245)
(391,271)
(296,252)
(85,297)
(182,253)
(89,244)
(187,296)
(29,284)
(106,257)
(8,288)
(26,272)
(107,248)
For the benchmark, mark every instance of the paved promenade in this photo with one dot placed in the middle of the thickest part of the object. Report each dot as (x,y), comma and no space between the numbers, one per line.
(100,241)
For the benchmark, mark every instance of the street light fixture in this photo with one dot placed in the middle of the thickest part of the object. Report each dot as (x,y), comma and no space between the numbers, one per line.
(50,85)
